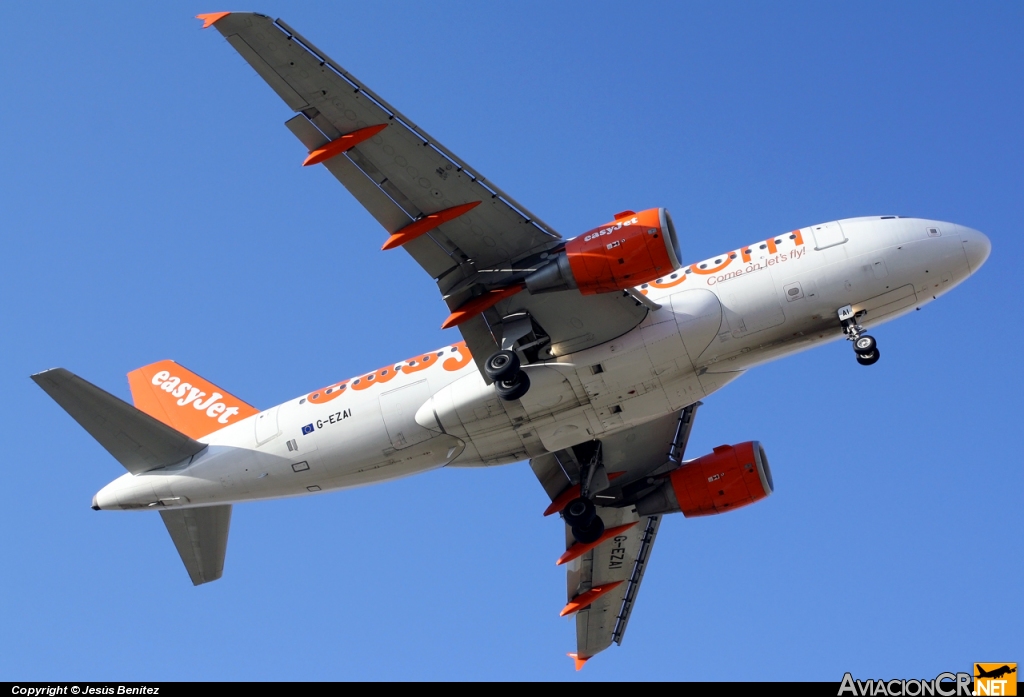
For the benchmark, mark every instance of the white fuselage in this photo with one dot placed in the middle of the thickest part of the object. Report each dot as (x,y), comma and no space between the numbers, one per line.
(717,319)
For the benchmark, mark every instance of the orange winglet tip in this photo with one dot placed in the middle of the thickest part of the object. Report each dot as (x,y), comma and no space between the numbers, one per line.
(211,18)
(426,224)
(482,302)
(572,492)
(585,599)
(340,145)
(580,662)
(578,549)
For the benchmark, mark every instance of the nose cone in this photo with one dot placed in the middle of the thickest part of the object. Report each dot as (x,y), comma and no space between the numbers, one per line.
(976,246)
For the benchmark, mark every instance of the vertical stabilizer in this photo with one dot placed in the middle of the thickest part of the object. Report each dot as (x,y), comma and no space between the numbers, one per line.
(181,399)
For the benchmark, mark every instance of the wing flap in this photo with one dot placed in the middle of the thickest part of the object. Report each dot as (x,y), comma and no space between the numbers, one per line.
(201,537)
(381,206)
(308,134)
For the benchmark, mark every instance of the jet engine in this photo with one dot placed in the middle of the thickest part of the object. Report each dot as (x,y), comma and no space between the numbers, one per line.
(635,248)
(730,477)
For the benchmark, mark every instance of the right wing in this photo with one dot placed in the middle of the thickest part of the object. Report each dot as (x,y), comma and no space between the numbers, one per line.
(603,580)
(405,179)
(613,572)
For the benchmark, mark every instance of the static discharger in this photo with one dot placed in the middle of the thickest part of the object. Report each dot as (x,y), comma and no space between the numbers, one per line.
(585,599)
(211,18)
(578,549)
(425,225)
(482,302)
(342,144)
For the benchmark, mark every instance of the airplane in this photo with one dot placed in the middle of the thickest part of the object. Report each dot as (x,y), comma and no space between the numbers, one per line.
(587,356)
(996,672)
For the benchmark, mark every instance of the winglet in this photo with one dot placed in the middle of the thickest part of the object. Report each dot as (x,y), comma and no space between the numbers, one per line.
(211,18)
(579,661)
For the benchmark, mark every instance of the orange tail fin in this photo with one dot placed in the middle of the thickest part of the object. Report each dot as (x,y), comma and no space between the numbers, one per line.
(184,401)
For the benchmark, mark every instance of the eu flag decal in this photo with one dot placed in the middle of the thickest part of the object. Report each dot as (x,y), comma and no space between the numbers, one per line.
(307,429)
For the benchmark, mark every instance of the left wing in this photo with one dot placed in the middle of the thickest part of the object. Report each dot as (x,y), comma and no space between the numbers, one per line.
(603,578)
(474,240)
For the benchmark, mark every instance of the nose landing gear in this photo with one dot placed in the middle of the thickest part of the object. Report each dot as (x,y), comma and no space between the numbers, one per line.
(510,382)
(864,345)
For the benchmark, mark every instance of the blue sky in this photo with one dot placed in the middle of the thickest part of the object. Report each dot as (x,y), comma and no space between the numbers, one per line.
(152,206)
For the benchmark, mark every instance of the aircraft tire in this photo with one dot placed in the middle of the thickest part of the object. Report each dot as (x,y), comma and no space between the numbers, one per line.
(502,365)
(511,390)
(869,358)
(591,533)
(865,345)
(579,513)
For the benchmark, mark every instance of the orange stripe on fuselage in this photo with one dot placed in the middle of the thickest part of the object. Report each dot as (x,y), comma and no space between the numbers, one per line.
(451,364)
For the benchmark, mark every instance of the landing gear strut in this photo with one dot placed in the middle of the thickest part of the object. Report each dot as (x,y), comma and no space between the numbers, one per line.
(581,514)
(864,346)
(510,382)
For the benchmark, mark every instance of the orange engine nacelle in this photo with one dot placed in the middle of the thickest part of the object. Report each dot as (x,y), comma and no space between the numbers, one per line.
(730,477)
(635,248)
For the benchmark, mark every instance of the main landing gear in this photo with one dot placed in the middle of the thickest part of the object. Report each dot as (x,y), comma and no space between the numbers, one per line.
(580,514)
(510,381)
(864,346)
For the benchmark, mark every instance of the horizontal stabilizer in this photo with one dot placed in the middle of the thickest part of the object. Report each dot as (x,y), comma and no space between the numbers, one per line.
(136,440)
(201,536)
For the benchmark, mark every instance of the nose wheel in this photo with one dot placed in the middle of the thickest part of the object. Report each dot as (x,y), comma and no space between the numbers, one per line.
(510,382)
(864,346)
